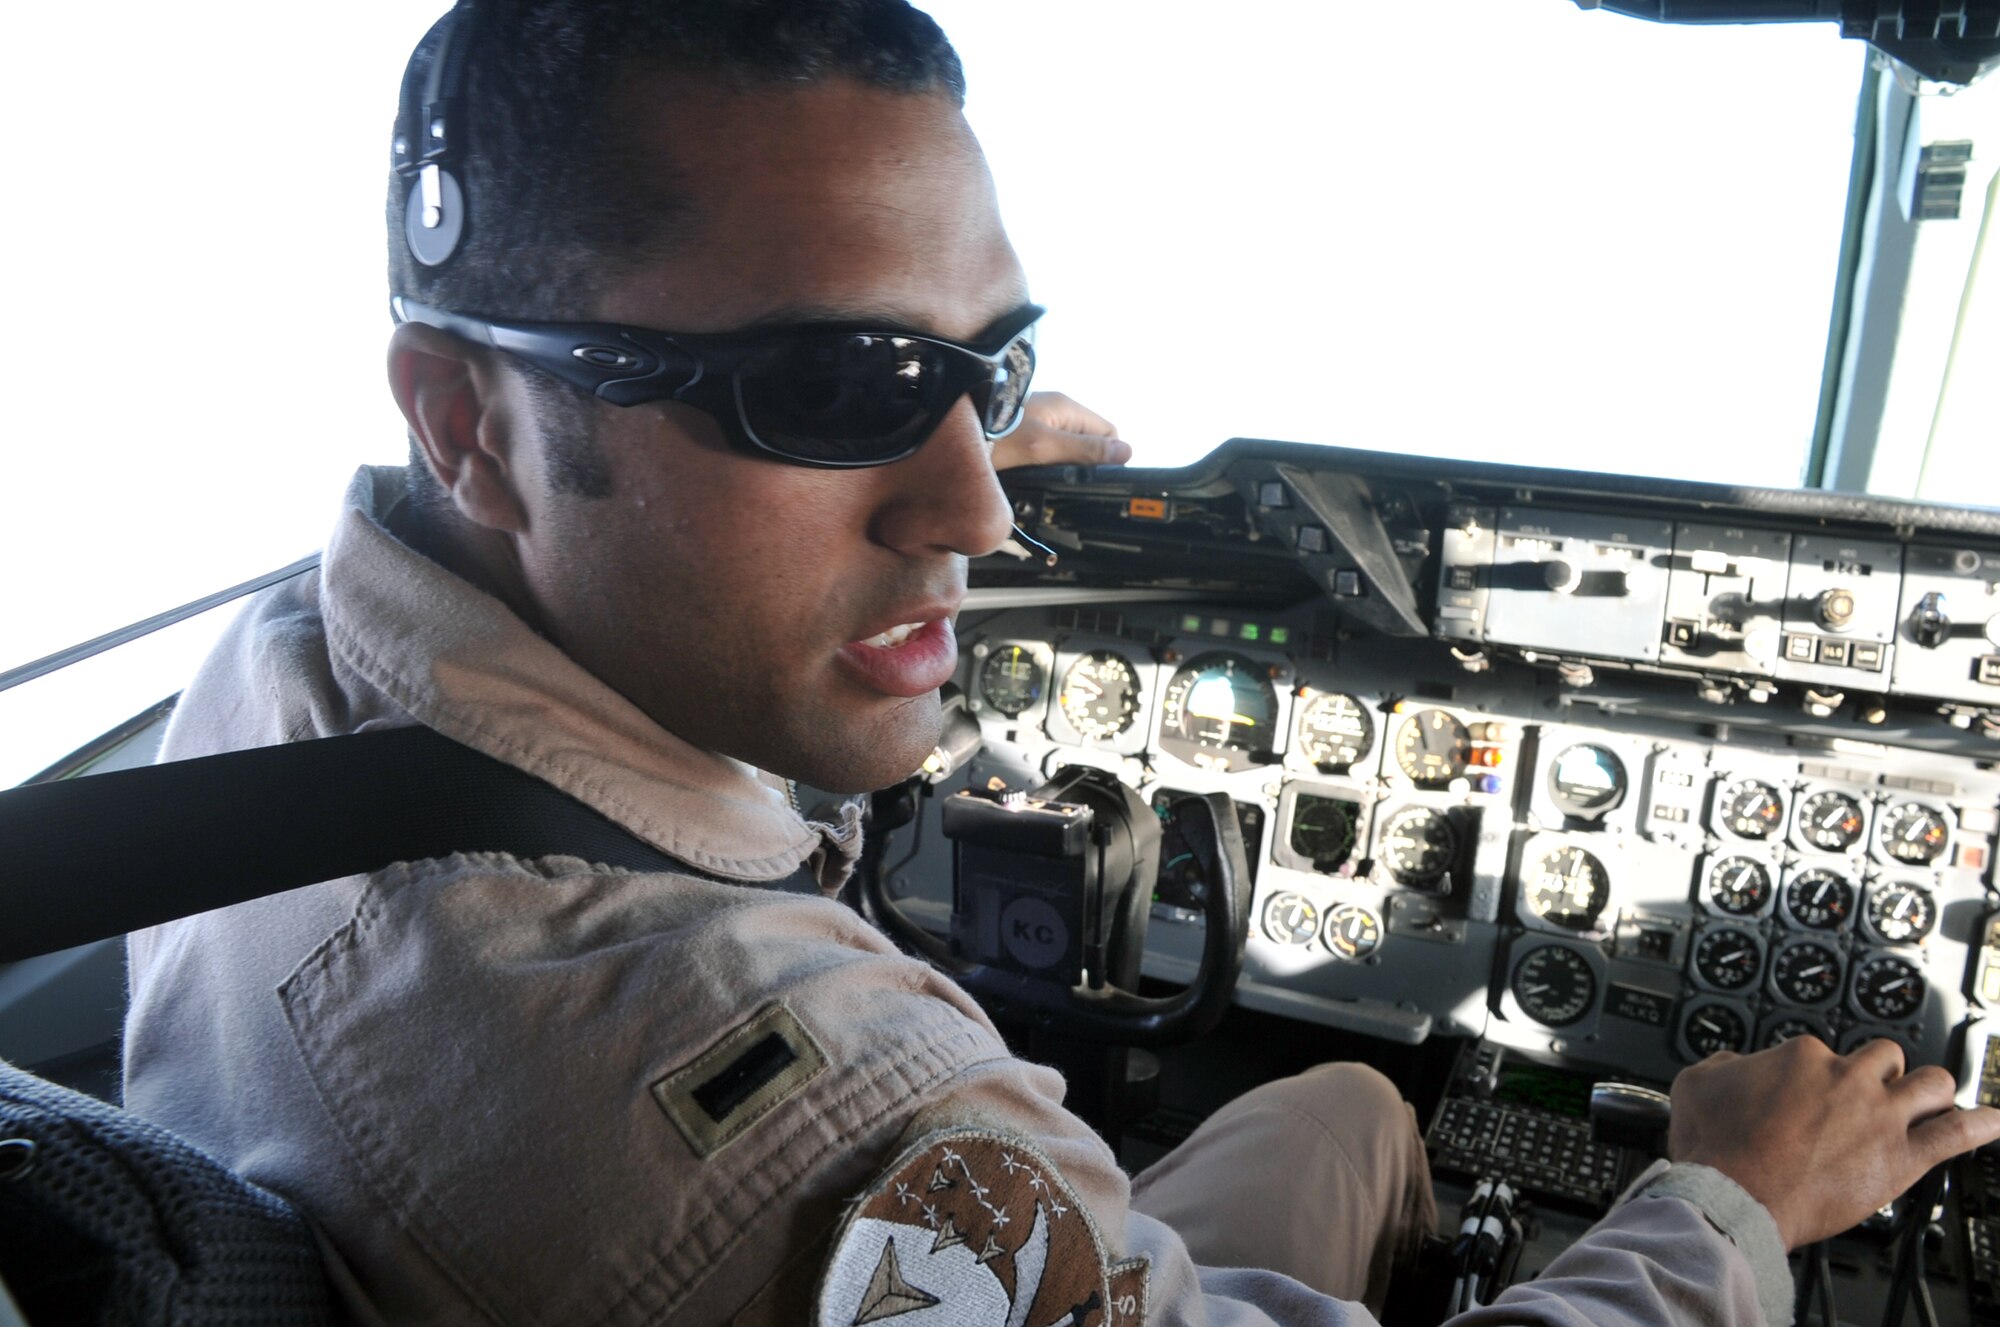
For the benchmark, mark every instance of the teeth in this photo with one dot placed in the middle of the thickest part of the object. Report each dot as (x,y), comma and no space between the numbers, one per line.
(894,636)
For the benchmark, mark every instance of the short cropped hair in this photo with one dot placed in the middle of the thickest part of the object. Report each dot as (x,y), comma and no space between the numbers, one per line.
(553,204)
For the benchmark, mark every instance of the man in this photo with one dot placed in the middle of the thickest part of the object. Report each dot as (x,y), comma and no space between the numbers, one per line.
(546,1091)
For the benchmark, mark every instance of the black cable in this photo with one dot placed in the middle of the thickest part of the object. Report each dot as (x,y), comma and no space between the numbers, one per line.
(1908,1282)
(1822,1271)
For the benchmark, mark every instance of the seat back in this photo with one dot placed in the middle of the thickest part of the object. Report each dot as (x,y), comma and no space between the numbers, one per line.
(105,1218)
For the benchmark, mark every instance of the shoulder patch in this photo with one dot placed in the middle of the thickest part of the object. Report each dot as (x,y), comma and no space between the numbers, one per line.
(755,1068)
(969,1228)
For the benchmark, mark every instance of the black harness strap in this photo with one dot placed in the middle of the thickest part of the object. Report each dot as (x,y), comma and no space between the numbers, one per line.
(84,859)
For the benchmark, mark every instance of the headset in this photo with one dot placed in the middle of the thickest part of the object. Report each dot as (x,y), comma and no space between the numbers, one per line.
(430,140)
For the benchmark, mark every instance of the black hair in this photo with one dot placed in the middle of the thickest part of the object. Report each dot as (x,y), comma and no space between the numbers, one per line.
(552,202)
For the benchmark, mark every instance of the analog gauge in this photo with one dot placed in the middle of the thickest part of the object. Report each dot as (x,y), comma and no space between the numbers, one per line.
(1335,731)
(1554,985)
(1914,833)
(1714,1027)
(1888,989)
(1323,830)
(1750,809)
(1785,1029)
(1739,886)
(1187,853)
(1901,914)
(1353,932)
(1806,973)
(1291,919)
(1586,781)
(1099,696)
(1432,748)
(1418,844)
(1217,711)
(1567,887)
(1011,679)
(1727,959)
(1819,900)
(1830,821)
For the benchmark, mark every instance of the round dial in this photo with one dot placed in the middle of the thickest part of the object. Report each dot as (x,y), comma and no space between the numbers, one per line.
(1727,959)
(1353,932)
(1786,1028)
(1217,711)
(1888,989)
(1739,886)
(1012,679)
(1819,899)
(1417,845)
(1567,887)
(1100,695)
(1830,821)
(1750,809)
(1901,914)
(1586,781)
(1335,731)
(1806,973)
(1432,748)
(1914,833)
(1323,830)
(1554,985)
(1290,919)
(1714,1027)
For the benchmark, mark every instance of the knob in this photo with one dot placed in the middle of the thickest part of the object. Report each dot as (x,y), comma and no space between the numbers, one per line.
(1562,577)
(1929,626)
(1834,608)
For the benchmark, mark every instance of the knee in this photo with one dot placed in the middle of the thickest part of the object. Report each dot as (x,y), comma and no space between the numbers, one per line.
(1351,1098)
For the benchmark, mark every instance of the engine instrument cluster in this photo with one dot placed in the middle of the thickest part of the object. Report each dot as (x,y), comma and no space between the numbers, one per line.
(1610,775)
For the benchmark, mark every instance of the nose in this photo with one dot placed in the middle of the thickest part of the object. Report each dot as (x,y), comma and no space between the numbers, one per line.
(945,496)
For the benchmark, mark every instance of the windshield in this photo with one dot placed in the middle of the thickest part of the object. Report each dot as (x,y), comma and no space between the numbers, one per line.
(1516,231)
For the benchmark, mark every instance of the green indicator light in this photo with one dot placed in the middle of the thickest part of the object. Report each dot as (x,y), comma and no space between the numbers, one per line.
(1281,635)
(1250,631)
(1191,622)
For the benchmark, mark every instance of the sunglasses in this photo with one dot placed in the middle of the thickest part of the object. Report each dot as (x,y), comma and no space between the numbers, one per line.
(827,395)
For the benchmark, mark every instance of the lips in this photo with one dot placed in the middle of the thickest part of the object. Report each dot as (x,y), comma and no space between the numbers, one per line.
(908,659)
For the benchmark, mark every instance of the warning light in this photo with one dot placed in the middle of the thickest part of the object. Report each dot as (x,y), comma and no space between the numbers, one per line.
(1250,631)
(1191,622)
(1490,756)
(1281,635)
(1146,509)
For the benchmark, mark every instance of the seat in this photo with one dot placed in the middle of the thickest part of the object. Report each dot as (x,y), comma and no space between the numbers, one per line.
(105,1218)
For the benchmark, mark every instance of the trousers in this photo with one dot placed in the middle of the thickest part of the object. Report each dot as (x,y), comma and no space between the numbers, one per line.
(1321,1176)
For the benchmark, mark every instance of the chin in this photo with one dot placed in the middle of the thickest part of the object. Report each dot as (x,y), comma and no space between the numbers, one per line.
(878,755)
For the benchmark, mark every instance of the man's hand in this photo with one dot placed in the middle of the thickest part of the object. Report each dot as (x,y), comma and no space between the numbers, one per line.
(1057,431)
(1821,1139)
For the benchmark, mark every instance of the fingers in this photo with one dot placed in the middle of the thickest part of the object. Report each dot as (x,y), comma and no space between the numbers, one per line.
(1882,1058)
(1955,1131)
(1060,412)
(1925,1091)
(1034,443)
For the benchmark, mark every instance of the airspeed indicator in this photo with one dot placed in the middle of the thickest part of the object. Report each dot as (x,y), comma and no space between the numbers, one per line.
(1554,985)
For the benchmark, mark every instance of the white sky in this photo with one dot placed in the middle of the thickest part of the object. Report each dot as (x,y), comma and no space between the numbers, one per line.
(1524,233)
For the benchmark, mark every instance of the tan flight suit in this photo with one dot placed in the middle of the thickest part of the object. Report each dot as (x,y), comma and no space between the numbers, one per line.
(550,1092)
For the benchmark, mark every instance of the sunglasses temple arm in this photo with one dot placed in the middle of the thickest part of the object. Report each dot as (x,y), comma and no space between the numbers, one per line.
(1021,544)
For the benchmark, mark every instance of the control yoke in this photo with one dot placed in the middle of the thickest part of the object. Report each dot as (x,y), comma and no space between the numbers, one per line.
(1051,893)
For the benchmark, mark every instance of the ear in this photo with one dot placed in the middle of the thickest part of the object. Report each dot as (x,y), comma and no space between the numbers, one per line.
(451,393)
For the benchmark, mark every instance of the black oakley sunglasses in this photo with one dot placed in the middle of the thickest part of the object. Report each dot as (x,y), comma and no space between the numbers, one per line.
(819,394)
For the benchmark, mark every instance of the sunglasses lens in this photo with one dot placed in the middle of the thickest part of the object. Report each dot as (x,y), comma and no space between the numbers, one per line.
(848,399)
(1009,389)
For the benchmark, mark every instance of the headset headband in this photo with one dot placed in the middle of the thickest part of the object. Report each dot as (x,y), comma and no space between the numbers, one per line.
(429,136)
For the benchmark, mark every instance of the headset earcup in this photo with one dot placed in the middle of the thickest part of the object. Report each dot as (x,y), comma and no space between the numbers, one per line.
(432,245)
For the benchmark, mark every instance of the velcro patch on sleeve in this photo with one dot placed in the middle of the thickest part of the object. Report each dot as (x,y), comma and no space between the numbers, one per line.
(755,1068)
(974,1229)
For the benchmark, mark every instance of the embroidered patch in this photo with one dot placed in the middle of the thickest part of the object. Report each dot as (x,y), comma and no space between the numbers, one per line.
(974,1229)
(753,1070)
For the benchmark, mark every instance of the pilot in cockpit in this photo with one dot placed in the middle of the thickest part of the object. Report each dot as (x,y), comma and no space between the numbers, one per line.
(709,342)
